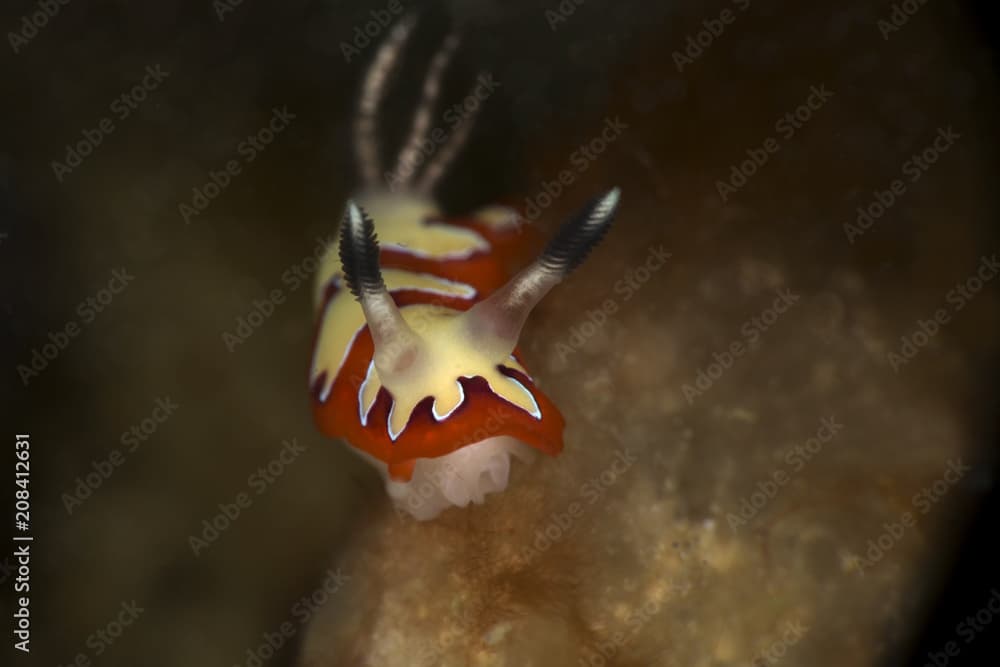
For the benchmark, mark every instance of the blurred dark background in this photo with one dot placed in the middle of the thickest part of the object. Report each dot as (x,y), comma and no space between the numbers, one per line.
(162,335)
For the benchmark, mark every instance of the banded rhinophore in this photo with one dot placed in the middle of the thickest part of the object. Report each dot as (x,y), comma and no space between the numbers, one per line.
(415,362)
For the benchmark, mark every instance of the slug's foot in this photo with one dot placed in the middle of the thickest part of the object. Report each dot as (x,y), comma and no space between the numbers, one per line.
(456,479)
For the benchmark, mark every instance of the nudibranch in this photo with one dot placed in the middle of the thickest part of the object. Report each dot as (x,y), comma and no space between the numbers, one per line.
(415,362)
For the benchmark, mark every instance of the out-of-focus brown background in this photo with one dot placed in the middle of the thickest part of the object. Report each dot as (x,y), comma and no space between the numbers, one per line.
(561,80)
